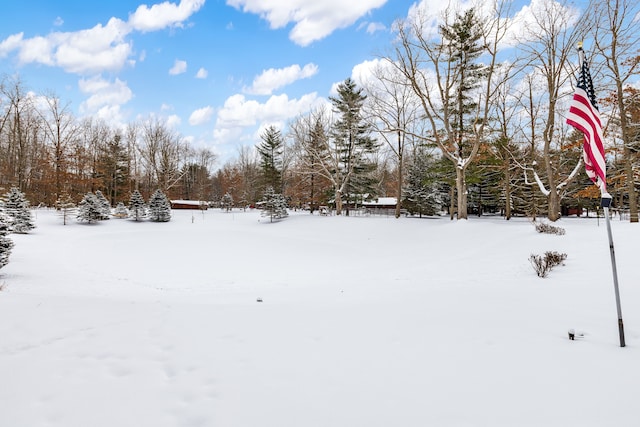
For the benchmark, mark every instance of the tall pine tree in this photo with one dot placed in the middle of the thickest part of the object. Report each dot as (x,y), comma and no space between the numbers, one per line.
(271,162)
(355,147)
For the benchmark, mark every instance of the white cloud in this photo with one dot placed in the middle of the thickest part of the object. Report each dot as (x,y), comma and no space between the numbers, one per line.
(94,50)
(375,27)
(273,78)
(312,20)
(201,116)
(525,25)
(240,112)
(202,74)
(101,48)
(179,67)
(58,21)
(173,121)
(163,15)
(105,99)
(11,43)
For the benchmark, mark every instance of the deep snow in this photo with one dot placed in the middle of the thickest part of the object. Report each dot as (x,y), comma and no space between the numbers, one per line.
(365,321)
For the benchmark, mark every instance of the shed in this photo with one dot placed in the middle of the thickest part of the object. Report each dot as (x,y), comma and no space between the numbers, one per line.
(189,204)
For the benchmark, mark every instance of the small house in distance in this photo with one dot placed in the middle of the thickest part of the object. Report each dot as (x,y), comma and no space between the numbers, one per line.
(381,206)
(189,204)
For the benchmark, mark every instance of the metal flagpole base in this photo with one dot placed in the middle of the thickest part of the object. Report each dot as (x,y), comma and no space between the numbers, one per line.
(605,202)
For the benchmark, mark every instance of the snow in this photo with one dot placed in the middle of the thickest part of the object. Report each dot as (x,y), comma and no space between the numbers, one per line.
(365,321)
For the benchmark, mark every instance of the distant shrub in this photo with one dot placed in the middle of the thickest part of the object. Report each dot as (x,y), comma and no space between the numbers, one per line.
(543,227)
(542,264)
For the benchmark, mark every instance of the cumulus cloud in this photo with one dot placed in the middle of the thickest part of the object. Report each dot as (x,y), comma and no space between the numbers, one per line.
(58,22)
(202,74)
(241,112)
(273,78)
(105,98)
(11,43)
(312,20)
(97,49)
(173,121)
(163,15)
(201,116)
(179,67)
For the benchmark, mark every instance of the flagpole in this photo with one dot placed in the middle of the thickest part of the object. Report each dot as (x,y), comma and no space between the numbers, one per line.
(605,202)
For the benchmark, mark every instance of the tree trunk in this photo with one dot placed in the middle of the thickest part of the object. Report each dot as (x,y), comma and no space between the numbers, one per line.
(452,203)
(554,205)
(399,187)
(338,203)
(461,188)
(507,193)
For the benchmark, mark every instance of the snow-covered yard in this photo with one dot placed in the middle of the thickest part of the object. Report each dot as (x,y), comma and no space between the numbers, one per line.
(364,321)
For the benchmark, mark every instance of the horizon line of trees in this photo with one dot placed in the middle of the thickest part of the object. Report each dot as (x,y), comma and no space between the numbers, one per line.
(444,124)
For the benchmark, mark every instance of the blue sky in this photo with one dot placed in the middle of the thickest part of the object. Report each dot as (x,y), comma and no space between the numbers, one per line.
(217,70)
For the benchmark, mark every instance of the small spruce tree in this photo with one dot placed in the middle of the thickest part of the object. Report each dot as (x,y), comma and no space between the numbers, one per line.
(5,242)
(89,209)
(226,202)
(159,207)
(65,206)
(137,207)
(105,206)
(274,205)
(17,208)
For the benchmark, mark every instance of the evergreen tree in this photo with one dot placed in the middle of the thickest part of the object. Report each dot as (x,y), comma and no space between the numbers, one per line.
(274,205)
(105,206)
(420,192)
(90,209)
(271,162)
(65,207)
(352,140)
(226,202)
(137,207)
(159,207)
(5,242)
(17,208)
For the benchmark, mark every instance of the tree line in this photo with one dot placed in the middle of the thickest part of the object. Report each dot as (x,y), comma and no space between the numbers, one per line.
(446,122)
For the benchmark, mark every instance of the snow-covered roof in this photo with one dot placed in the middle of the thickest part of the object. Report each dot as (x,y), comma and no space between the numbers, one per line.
(187,202)
(382,201)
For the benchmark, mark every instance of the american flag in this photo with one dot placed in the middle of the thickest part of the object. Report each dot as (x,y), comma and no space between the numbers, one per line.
(584,116)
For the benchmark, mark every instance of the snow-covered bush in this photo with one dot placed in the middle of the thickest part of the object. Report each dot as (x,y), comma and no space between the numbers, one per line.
(543,227)
(543,264)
